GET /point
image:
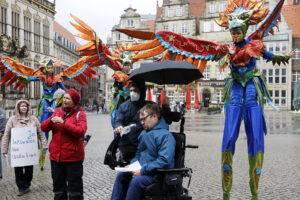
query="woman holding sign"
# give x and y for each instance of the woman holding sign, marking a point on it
(23, 119)
(68, 124)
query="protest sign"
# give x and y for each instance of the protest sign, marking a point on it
(24, 147)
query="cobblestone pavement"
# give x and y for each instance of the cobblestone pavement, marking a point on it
(280, 178)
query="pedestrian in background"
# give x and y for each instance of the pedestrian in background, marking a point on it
(2, 128)
(68, 124)
(22, 119)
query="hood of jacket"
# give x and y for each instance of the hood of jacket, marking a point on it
(17, 112)
(162, 124)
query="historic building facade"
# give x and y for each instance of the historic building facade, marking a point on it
(130, 19)
(25, 23)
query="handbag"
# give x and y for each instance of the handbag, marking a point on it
(110, 156)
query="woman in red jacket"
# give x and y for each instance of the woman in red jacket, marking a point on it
(68, 124)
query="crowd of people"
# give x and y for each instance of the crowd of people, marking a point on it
(140, 124)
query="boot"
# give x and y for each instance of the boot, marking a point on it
(226, 173)
(255, 167)
(254, 125)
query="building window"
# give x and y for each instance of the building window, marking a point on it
(171, 96)
(297, 54)
(276, 75)
(206, 27)
(46, 36)
(276, 93)
(271, 93)
(193, 97)
(184, 28)
(219, 95)
(130, 38)
(270, 80)
(296, 76)
(118, 36)
(182, 96)
(220, 75)
(212, 8)
(37, 35)
(283, 75)
(179, 12)
(222, 7)
(277, 47)
(174, 28)
(130, 22)
(283, 93)
(217, 27)
(165, 28)
(171, 12)
(206, 73)
(271, 47)
(27, 32)
(15, 25)
(3, 20)
(284, 48)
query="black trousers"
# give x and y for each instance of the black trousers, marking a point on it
(23, 177)
(67, 180)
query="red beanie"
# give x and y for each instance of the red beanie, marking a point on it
(74, 95)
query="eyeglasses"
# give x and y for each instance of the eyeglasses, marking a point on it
(144, 118)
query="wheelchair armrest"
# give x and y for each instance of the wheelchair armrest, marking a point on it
(172, 171)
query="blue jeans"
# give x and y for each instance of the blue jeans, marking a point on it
(128, 188)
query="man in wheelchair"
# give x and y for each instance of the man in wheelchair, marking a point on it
(156, 149)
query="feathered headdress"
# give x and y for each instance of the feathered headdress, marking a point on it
(239, 14)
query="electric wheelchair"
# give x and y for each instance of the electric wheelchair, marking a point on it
(168, 183)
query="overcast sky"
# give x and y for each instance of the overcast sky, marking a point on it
(101, 15)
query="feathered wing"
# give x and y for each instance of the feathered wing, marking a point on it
(79, 71)
(98, 52)
(14, 72)
(176, 47)
(269, 23)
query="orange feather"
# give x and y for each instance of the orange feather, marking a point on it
(82, 30)
(84, 25)
(144, 35)
(202, 65)
(153, 52)
(85, 37)
(86, 46)
(145, 46)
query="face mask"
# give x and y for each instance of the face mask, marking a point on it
(134, 96)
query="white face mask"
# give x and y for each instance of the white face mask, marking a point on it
(134, 96)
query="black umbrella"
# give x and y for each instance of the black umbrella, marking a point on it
(166, 72)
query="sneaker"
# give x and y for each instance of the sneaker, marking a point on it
(22, 192)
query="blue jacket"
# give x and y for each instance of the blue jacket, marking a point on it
(156, 148)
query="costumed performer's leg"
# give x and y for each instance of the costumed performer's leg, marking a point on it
(231, 132)
(254, 125)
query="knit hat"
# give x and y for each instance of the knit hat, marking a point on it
(74, 95)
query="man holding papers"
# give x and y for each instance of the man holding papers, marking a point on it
(156, 149)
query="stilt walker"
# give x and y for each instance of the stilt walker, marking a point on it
(244, 90)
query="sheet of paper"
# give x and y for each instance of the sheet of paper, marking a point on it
(132, 167)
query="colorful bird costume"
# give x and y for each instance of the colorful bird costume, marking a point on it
(16, 72)
(101, 55)
(245, 88)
